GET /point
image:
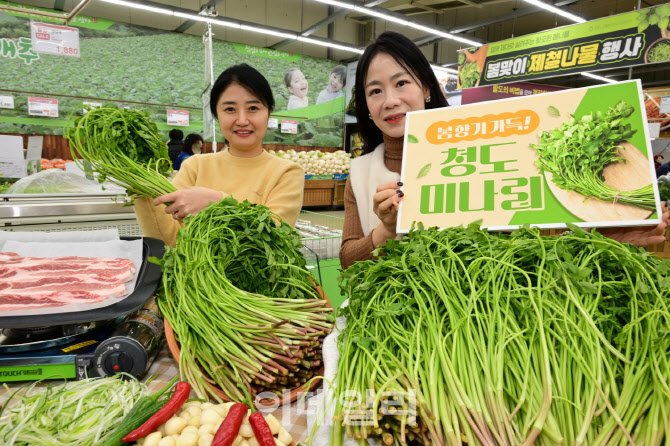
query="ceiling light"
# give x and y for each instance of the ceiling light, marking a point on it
(140, 6)
(331, 45)
(600, 78)
(336, 3)
(448, 70)
(556, 10)
(269, 32)
(211, 20)
(381, 15)
(446, 35)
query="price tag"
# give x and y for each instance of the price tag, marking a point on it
(6, 101)
(665, 104)
(289, 126)
(12, 162)
(55, 39)
(273, 123)
(177, 117)
(43, 107)
(34, 153)
(91, 106)
(654, 129)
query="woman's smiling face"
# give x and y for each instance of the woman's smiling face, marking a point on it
(243, 120)
(391, 92)
(298, 85)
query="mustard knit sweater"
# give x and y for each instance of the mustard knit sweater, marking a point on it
(273, 182)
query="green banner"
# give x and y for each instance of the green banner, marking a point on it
(633, 38)
(575, 156)
(37, 372)
(81, 21)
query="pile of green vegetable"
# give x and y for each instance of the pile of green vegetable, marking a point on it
(123, 147)
(469, 75)
(77, 413)
(577, 152)
(242, 304)
(507, 339)
(659, 52)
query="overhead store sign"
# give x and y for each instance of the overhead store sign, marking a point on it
(57, 40)
(534, 160)
(633, 38)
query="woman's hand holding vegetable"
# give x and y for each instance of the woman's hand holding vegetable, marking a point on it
(640, 235)
(385, 205)
(190, 201)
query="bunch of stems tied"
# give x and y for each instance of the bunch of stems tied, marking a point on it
(577, 152)
(242, 304)
(121, 146)
(461, 336)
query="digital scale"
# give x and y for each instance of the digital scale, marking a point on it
(122, 337)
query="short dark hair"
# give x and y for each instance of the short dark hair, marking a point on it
(410, 57)
(176, 134)
(190, 140)
(341, 71)
(245, 76)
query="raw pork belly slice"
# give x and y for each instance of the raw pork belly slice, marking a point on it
(36, 282)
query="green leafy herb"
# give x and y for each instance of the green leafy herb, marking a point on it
(242, 304)
(664, 187)
(461, 58)
(659, 52)
(469, 75)
(577, 152)
(124, 147)
(553, 111)
(412, 139)
(424, 170)
(515, 339)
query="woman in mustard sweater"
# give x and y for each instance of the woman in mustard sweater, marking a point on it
(242, 101)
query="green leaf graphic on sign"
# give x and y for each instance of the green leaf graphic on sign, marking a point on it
(412, 139)
(424, 170)
(553, 111)
(642, 26)
(663, 24)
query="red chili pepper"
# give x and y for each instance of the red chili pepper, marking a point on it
(228, 430)
(261, 429)
(179, 397)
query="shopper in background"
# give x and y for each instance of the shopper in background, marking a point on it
(241, 100)
(337, 79)
(297, 85)
(175, 145)
(192, 146)
(392, 78)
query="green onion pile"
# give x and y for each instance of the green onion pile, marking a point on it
(123, 147)
(77, 413)
(507, 339)
(577, 152)
(242, 304)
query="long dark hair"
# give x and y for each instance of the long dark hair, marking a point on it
(191, 139)
(408, 56)
(247, 77)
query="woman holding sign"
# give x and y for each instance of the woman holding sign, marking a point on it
(241, 100)
(394, 78)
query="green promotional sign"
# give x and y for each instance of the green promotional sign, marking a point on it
(576, 156)
(36, 372)
(633, 38)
